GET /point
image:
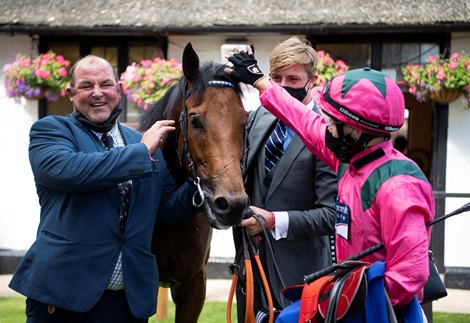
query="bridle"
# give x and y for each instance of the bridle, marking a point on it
(198, 197)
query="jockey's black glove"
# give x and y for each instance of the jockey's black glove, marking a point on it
(245, 68)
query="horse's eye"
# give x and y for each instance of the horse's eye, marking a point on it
(195, 122)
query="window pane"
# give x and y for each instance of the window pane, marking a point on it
(71, 52)
(108, 53)
(139, 51)
(355, 55)
(396, 56)
(428, 49)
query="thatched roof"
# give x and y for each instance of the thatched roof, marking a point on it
(167, 15)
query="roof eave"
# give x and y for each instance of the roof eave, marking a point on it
(227, 29)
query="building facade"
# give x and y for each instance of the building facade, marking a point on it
(383, 35)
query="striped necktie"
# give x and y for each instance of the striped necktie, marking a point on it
(124, 187)
(274, 145)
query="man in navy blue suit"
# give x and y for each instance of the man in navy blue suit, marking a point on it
(101, 186)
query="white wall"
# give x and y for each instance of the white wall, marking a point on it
(19, 208)
(457, 236)
(209, 48)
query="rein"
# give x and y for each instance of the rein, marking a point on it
(250, 253)
(198, 197)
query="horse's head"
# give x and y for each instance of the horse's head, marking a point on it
(209, 139)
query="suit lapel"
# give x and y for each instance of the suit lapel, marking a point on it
(296, 146)
(263, 120)
(266, 121)
(128, 136)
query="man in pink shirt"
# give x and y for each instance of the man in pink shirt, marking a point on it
(382, 195)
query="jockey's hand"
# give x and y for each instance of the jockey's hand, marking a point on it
(252, 226)
(245, 67)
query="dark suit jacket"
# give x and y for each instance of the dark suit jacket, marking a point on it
(303, 186)
(79, 239)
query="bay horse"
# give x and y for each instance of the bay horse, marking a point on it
(206, 149)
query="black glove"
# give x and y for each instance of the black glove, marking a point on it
(245, 68)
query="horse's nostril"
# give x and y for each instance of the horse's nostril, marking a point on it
(221, 203)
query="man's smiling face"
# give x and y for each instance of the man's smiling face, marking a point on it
(96, 92)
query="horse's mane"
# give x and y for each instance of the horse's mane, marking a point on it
(171, 100)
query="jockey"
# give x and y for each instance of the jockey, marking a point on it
(382, 195)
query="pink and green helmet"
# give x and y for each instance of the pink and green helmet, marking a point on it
(365, 99)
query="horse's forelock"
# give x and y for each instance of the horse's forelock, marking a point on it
(163, 108)
(210, 71)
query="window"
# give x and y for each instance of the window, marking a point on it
(396, 56)
(356, 55)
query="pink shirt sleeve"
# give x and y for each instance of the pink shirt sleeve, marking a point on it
(306, 123)
(406, 205)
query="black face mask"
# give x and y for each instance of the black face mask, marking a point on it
(299, 94)
(102, 127)
(345, 147)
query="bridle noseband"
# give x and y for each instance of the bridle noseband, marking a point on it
(183, 127)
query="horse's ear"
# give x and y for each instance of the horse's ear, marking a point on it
(190, 63)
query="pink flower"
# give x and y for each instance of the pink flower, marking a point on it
(455, 56)
(165, 80)
(146, 63)
(62, 72)
(60, 59)
(431, 59)
(441, 75)
(43, 74)
(327, 60)
(341, 64)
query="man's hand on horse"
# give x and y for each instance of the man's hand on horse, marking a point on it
(245, 67)
(253, 226)
(153, 137)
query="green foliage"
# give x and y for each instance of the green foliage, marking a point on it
(12, 311)
(213, 312)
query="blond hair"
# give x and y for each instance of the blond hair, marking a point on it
(291, 52)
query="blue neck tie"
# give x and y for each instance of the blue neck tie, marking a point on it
(107, 141)
(274, 145)
(124, 187)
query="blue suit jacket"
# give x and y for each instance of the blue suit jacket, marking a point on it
(79, 239)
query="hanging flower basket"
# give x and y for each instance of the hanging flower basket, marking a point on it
(45, 76)
(442, 80)
(445, 96)
(145, 83)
